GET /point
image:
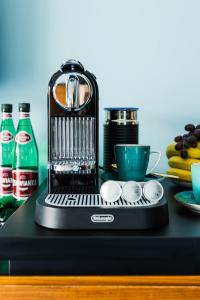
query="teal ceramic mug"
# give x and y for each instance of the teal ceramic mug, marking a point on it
(132, 161)
(195, 168)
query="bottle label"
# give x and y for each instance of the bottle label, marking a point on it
(6, 115)
(23, 137)
(6, 136)
(24, 183)
(24, 115)
(5, 181)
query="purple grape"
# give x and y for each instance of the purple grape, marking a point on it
(178, 139)
(189, 127)
(186, 145)
(190, 133)
(193, 145)
(185, 136)
(184, 153)
(197, 133)
(179, 146)
(191, 139)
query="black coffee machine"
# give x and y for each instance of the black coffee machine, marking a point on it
(72, 200)
(73, 129)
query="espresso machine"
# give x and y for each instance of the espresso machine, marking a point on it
(72, 200)
(73, 117)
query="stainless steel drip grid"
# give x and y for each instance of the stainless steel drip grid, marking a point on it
(90, 200)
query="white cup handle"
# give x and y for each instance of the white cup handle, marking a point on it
(156, 163)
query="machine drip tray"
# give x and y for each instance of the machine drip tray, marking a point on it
(90, 211)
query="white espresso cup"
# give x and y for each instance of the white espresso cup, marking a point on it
(131, 191)
(110, 191)
(153, 191)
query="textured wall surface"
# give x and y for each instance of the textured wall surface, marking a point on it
(145, 53)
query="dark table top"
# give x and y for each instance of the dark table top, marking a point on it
(173, 249)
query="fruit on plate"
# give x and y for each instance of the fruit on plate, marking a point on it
(184, 152)
(178, 162)
(189, 140)
(192, 152)
(183, 175)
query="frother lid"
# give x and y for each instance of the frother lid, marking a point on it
(121, 115)
(121, 108)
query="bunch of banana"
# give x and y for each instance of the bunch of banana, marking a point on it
(179, 166)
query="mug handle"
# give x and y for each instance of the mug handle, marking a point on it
(156, 163)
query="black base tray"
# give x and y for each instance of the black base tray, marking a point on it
(112, 218)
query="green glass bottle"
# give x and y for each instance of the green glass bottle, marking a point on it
(7, 135)
(25, 157)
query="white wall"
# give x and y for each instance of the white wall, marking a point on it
(145, 53)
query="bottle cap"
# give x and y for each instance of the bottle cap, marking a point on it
(6, 108)
(24, 107)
